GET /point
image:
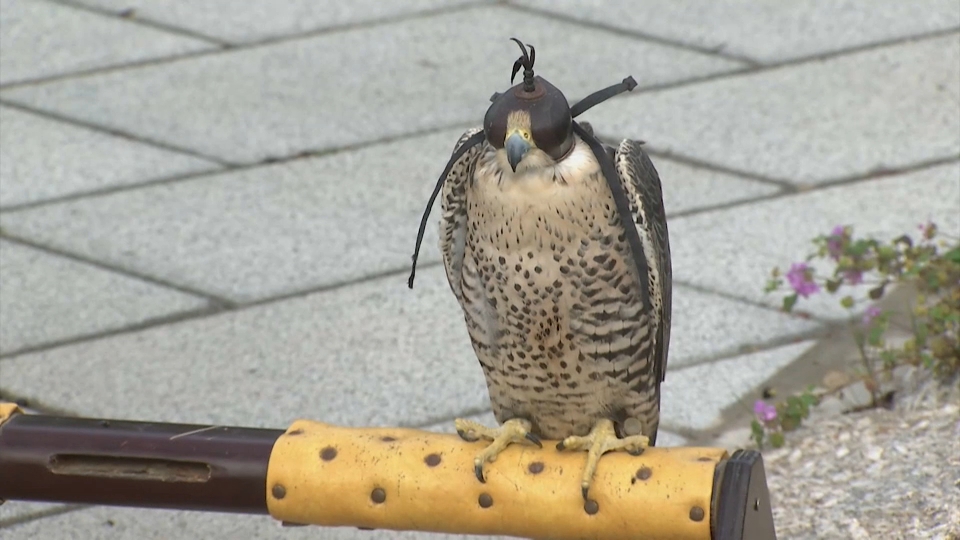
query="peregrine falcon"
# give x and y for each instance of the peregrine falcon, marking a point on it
(566, 299)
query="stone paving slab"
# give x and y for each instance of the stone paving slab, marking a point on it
(883, 108)
(370, 354)
(693, 398)
(264, 19)
(767, 31)
(20, 511)
(344, 88)
(288, 227)
(44, 39)
(115, 523)
(264, 231)
(734, 250)
(42, 158)
(687, 188)
(707, 326)
(47, 299)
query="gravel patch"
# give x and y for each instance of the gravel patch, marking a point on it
(879, 473)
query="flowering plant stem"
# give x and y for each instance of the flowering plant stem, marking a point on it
(930, 264)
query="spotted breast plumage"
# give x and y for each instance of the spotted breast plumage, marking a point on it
(571, 331)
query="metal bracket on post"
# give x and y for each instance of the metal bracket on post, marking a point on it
(741, 500)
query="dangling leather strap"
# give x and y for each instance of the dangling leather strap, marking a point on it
(474, 140)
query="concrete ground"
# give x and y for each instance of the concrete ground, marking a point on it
(207, 209)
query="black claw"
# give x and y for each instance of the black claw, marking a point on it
(463, 435)
(478, 469)
(585, 491)
(560, 446)
(636, 452)
(534, 439)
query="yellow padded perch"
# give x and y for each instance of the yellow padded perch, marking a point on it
(403, 479)
(7, 410)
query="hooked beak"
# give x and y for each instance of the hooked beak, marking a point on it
(516, 148)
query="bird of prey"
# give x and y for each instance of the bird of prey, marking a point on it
(569, 318)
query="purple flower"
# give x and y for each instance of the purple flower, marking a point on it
(800, 278)
(765, 412)
(835, 242)
(853, 277)
(870, 314)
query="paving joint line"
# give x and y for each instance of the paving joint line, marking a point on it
(210, 311)
(880, 172)
(653, 38)
(336, 285)
(105, 70)
(800, 189)
(431, 264)
(117, 188)
(464, 7)
(692, 81)
(241, 46)
(360, 25)
(819, 332)
(34, 405)
(51, 115)
(719, 168)
(797, 314)
(229, 168)
(786, 64)
(133, 19)
(213, 300)
(147, 324)
(787, 188)
(728, 205)
(58, 510)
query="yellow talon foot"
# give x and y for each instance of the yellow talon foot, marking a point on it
(515, 430)
(602, 439)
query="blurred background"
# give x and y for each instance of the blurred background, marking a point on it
(208, 207)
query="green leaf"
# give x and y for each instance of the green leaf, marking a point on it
(789, 302)
(953, 255)
(921, 332)
(757, 433)
(847, 302)
(875, 336)
(877, 292)
(889, 358)
(833, 284)
(886, 252)
(933, 281)
(776, 439)
(796, 408)
(860, 248)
